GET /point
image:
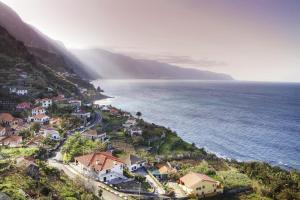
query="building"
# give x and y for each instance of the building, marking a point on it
(82, 114)
(101, 166)
(23, 106)
(18, 91)
(200, 185)
(11, 141)
(38, 110)
(6, 119)
(46, 103)
(129, 123)
(135, 131)
(163, 170)
(94, 135)
(75, 103)
(52, 134)
(133, 162)
(40, 118)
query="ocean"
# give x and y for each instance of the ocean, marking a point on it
(240, 120)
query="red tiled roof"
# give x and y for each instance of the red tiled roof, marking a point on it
(6, 117)
(99, 160)
(193, 178)
(38, 108)
(40, 116)
(12, 138)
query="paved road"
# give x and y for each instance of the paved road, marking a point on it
(94, 185)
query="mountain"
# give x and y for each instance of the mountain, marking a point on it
(118, 66)
(19, 68)
(46, 50)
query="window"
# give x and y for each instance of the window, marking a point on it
(203, 186)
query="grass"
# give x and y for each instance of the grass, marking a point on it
(233, 179)
(16, 152)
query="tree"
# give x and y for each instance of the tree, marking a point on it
(35, 127)
(138, 114)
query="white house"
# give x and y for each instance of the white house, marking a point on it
(133, 162)
(82, 115)
(40, 118)
(129, 123)
(94, 135)
(76, 103)
(38, 110)
(100, 165)
(52, 134)
(46, 103)
(135, 131)
(18, 91)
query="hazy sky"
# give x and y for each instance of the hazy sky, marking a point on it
(251, 40)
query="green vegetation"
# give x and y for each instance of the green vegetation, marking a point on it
(16, 152)
(233, 179)
(78, 145)
(52, 184)
(273, 182)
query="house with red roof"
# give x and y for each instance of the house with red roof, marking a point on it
(6, 119)
(200, 185)
(40, 118)
(11, 141)
(38, 110)
(102, 166)
(23, 106)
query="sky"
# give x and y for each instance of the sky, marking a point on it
(255, 40)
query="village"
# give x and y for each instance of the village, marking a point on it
(113, 152)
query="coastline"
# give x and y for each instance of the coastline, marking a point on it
(106, 101)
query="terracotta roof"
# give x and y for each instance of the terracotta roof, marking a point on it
(39, 108)
(193, 178)
(24, 104)
(99, 160)
(12, 138)
(40, 116)
(6, 117)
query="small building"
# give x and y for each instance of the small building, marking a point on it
(163, 170)
(133, 162)
(38, 110)
(129, 123)
(6, 119)
(46, 102)
(23, 106)
(82, 114)
(11, 141)
(59, 98)
(94, 135)
(75, 103)
(40, 118)
(102, 166)
(135, 131)
(36, 141)
(52, 134)
(200, 185)
(18, 91)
